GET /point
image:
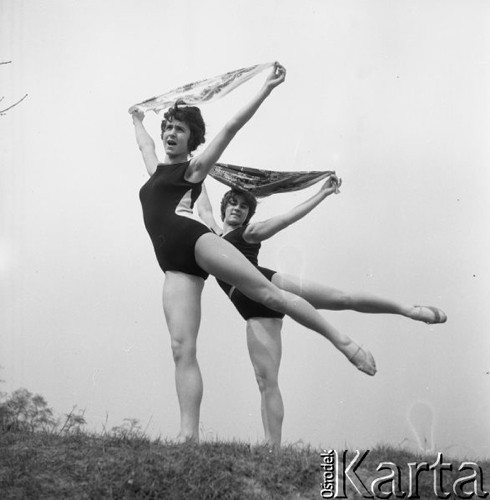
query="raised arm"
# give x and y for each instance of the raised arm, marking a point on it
(259, 231)
(205, 211)
(145, 142)
(202, 164)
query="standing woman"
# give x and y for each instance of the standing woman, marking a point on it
(187, 251)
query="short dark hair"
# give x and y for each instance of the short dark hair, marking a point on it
(190, 115)
(250, 200)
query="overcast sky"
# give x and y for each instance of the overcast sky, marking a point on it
(392, 95)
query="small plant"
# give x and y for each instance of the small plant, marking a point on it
(24, 411)
(130, 429)
(73, 422)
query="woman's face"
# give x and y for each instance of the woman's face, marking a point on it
(176, 138)
(236, 211)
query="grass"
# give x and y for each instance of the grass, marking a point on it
(46, 465)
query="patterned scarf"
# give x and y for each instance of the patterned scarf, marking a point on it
(202, 91)
(259, 182)
(263, 183)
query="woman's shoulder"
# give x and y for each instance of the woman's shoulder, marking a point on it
(247, 235)
(193, 172)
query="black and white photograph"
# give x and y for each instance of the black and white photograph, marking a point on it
(244, 249)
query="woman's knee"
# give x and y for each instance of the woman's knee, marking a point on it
(266, 377)
(344, 300)
(183, 349)
(273, 298)
(266, 382)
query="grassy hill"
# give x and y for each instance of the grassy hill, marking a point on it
(46, 465)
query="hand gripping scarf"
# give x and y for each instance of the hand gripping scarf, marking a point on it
(259, 182)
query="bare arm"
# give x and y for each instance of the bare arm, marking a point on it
(145, 142)
(205, 211)
(201, 165)
(259, 231)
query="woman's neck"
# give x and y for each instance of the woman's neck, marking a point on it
(175, 158)
(227, 228)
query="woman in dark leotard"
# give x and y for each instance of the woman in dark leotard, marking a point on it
(263, 324)
(187, 251)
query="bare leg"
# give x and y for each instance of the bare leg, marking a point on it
(182, 307)
(264, 347)
(325, 297)
(225, 262)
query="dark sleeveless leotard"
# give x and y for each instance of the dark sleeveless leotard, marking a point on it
(167, 200)
(248, 308)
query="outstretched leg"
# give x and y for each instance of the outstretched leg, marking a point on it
(325, 297)
(264, 347)
(225, 262)
(182, 308)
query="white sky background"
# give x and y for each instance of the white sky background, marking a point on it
(392, 95)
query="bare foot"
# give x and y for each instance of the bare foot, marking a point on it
(428, 314)
(186, 439)
(361, 358)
